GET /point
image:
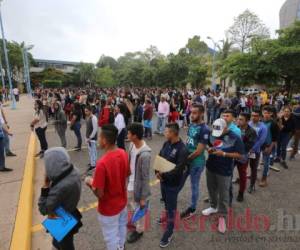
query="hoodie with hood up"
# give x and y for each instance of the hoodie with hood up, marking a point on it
(60, 120)
(65, 183)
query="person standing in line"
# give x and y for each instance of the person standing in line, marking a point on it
(226, 147)
(270, 143)
(296, 118)
(198, 135)
(6, 139)
(109, 186)
(39, 124)
(91, 136)
(60, 123)
(62, 188)
(249, 139)
(3, 129)
(286, 127)
(148, 114)
(138, 186)
(76, 124)
(175, 151)
(210, 107)
(255, 151)
(162, 113)
(16, 93)
(120, 124)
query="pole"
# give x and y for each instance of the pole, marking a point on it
(13, 106)
(28, 73)
(2, 76)
(213, 84)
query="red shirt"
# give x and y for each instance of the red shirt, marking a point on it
(104, 117)
(111, 174)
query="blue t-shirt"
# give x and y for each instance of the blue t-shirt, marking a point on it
(197, 133)
(235, 129)
(229, 143)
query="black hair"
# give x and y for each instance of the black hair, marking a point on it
(256, 110)
(110, 132)
(89, 108)
(229, 111)
(268, 108)
(246, 115)
(198, 106)
(136, 129)
(39, 104)
(174, 127)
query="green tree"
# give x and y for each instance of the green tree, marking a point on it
(104, 77)
(196, 47)
(107, 61)
(245, 27)
(86, 72)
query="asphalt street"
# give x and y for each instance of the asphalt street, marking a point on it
(277, 206)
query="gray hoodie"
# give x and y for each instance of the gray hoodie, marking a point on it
(60, 121)
(142, 174)
(65, 183)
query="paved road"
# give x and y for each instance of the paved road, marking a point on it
(281, 196)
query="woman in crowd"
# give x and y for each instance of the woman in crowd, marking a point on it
(60, 123)
(76, 125)
(39, 124)
(120, 124)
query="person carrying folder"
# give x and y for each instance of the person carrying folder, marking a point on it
(138, 189)
(173, 150)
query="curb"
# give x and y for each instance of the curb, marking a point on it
(21, 237)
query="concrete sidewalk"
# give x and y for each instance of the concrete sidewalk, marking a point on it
(10, 183)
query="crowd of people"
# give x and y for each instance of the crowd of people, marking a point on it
(223, 132)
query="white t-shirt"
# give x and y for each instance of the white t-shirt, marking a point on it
(133, 153)
(15, 91)
(119, 122)
(42, 123)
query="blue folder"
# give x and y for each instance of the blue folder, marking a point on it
(60, 226)
(139, 213)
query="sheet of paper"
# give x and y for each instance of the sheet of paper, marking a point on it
(162, 165)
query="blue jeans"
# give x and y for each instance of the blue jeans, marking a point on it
(282, 144)
(6, 142)
(161, 124)
(195, 175)
(92, 148)
(2, 156)
(266, 160)
(77, 127)
(210, 116)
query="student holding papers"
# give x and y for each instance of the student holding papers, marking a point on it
(138, 188)
(60, 195)
(174, 151)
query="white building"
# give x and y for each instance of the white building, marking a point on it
(64, 66)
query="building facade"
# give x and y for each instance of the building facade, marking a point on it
(289, 13)
(64, 66)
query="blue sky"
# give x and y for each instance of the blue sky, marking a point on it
(83, 30)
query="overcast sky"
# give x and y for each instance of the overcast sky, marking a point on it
(83, 30)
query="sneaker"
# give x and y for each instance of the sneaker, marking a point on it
(274, 168)
(240, 197)
(77, 149)
(187, 213)
(263, 182)
(134, 237)
(166, 240)
(222, 225)
(209, 211)
(284, 165)
(9, 153)
(251, 189)
(6, 170)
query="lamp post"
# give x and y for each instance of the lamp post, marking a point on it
(2, 76)
(213, 77)
(13, 106)
(27, 69)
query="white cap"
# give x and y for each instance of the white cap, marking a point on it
(218, 127)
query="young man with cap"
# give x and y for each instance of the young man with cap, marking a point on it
(226, 146)
(198, 135)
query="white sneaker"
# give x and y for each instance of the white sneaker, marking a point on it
(209, 211)
(222, 225)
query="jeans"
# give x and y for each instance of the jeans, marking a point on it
(62, 137)
(253, 166)
(195, 175)
(210, 116)
(2, 156)
(6, 142)
(77, 127)
(121, 139)
(170, 195)
(218, 189)
(114, 229)
(161, 124)
(217, 113)
(282, 144)
(242, 169)
(92, 148)
(266, 160)
(41, 134)
(66, 244)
